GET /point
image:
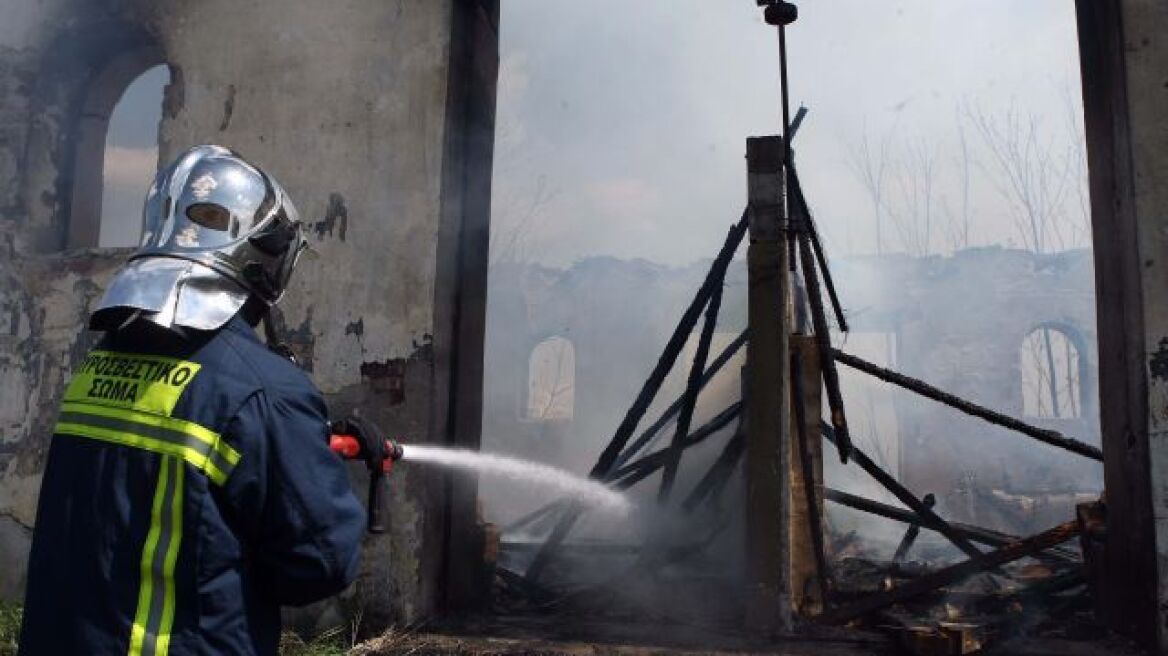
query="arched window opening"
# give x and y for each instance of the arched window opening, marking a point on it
(116, 151)
(1052, 374)
(551, 382)
(131, 158)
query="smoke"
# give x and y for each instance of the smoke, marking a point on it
(621, 133)
(660, 96)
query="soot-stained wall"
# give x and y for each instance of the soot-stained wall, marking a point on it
(378, 119)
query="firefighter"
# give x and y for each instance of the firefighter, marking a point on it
(189, 490)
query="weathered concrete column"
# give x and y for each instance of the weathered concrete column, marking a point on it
(767, 392)
(1124, 57)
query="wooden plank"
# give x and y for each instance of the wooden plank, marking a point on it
(810, 572)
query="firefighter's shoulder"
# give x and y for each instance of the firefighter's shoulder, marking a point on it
(266, 367)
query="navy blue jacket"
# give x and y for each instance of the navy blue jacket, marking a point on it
(189, 493)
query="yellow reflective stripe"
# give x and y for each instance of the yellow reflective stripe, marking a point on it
(197, 459)
(146, 567)
(170, 423)
(167, 621)
(197, 431)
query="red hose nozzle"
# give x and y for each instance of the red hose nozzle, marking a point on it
(349, 448)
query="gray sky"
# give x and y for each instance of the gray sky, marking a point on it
(622, 125)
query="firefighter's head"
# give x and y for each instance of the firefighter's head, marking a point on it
(217, 231)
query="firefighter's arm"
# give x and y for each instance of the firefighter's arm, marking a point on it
(303, 522)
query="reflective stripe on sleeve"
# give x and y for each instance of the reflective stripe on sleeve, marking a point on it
(154, 617)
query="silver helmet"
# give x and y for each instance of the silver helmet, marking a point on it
(217, 230)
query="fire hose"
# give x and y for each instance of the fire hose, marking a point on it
(354, 439)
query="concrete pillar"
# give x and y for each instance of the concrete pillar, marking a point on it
(1124, 57)
(378, 117)
(768, 407)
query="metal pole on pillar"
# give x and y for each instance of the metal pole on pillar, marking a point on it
(768, 390)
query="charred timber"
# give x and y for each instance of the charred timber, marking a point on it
(953, 574)
(714, 481)
(1051, 437)
(634, 472)
(690, 397)
(636, 411)
(835, 399)
(932, 519)
(642, 467)
(803, 208)
(649, 433)
(910, 536)
(975, 533)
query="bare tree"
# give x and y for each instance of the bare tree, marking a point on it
(1034, 171)
(902, 183)
(913, 204)
(515, 222)
(870, 169)
(958, 224)
(519, 201)
(552, 380)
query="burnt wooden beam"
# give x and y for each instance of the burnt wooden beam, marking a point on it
(827, 367)
(984, 536)
(639, 469)
(1051, 437)
(906, 497)
(608, 457)
(690, 397)
(910, 535)
(714, 481)
(712, 370)
(829, 284)
(953, 574)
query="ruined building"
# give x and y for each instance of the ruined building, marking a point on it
(378, 118)
(964, 323)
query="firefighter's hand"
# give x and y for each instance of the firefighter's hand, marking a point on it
(368, 435)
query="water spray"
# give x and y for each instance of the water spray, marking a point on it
(587, 491)
(380, 459)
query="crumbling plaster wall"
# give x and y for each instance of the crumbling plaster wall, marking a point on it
(378, 119)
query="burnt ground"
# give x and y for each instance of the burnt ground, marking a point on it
(499, 636)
